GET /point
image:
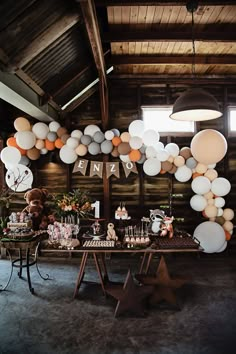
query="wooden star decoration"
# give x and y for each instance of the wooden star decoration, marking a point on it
(164, 285)
(130, 296)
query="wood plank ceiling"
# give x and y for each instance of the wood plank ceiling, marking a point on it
(59, 47)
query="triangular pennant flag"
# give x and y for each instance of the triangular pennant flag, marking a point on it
(80, 166)
(112, 168)
(129, 167)
(96, 168)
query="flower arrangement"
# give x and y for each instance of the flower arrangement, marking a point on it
(73, 204)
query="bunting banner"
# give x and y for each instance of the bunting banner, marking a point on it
(112, 168)
(129, 167)
(97, 167)
(80, 166)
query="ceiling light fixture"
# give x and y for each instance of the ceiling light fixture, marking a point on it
(195, 104)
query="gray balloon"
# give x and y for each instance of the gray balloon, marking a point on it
(94, 148)
(98, 137)
(85, 139)
(52, 136)
(106, 147)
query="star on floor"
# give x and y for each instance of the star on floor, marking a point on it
(164, 285)
(130, 296)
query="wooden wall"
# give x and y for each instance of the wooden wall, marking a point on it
(140, 192)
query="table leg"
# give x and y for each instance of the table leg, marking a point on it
(28, 270)
(104, 268)
(143, 262)
(81, 273)
(21, 262)
(99, 272)
(148, 262)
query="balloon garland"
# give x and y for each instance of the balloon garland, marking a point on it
(141, 146)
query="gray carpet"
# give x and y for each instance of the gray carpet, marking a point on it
(51, 321)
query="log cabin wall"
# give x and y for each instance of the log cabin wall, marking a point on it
(139, 192)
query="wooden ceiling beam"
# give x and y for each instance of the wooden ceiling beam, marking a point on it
(155, 80)
(91, 22)
(101, 3)
(179, 59)
(81, 99)
(161, 36)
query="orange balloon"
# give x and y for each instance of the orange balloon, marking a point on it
(22, 151)
(162, 172)
(58, 143)
(11, 141)
(116, 141)
(227, 235)
(196, 174)
(49, 145)
(135, 155)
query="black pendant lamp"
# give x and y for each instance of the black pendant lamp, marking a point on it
(195, 104)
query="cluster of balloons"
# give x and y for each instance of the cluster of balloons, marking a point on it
(138, 145)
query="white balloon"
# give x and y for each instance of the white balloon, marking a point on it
(219, 202)
(183, 174)
(150, 152)
(152, 166)
(210, 235)
(91, 130)
(26, 140)
(76, 134)
(19, 178)
(201, 185)
(198, 202)
(158, 146)
(10, 155)
(43, 151)
(109, 135)
(220, 212)
(135, 142)
(124, 158)
(150, 137)
(162, 155)
(136, 128)
(54, 126)
(220, 186)
(72, 142)
(173, 149)
(67, 154)
(223, 247)
(40, 130)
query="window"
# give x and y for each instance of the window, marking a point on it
(158, 118)
(232, 119)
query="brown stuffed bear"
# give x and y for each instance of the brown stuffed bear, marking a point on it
(36, 199)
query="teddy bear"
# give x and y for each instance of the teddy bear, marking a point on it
(36, 208)
(111, 233)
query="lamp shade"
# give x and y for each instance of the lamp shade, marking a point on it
(195, 105)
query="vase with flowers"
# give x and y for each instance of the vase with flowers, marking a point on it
(72, 206)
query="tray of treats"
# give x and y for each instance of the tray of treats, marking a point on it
(178, 241)
(95, 244)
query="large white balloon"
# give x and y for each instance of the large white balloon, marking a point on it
(150, 137)
(183, 174)
(25, 140)
(220, 186)
(76, 134)
(91, 130)
(54, 126)
(173, 149)
(152, 166)
(223, 247)
(162, 155)
(40, 130)
(210, 235)
(201, 185)
(198, 202)
(67, 154)
(19, 178)
(72, 142)
(10, 155)
(150, 152)
(136, 128)
(135, 142)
